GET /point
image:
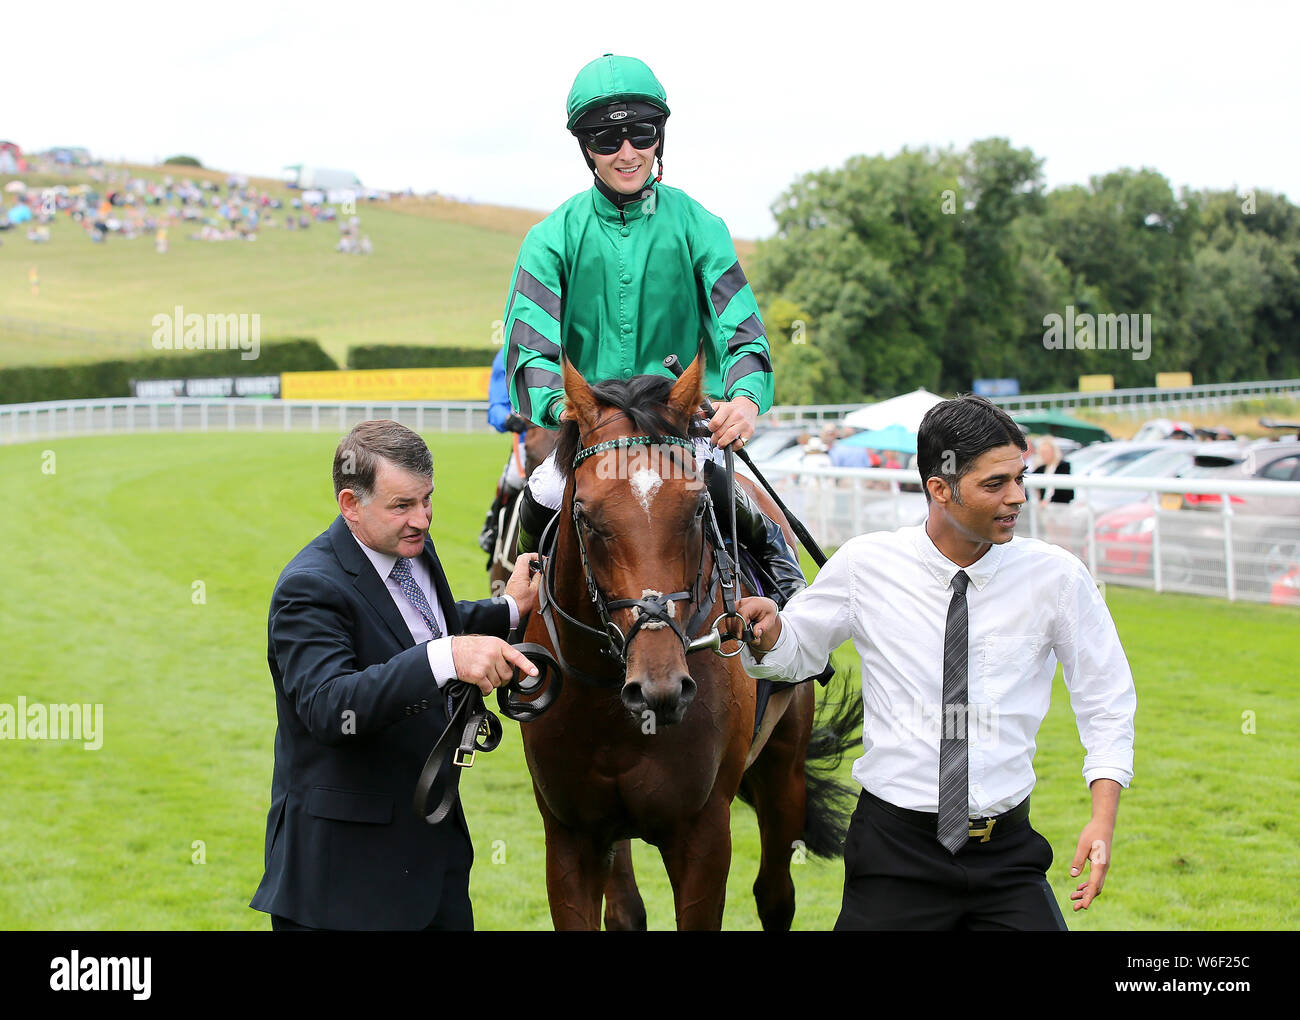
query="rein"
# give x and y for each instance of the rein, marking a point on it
(480, 729)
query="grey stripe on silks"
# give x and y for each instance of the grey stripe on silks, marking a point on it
(954, 755)
(727, 286)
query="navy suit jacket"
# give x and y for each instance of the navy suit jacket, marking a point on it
(358, 713)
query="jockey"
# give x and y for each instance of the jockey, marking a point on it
(502, 418)
(625, 274)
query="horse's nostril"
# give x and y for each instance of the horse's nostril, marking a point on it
(633, 698)
(688, 690)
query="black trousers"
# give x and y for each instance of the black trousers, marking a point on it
(898, 876)
(455, 913)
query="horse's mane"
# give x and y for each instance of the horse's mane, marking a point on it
(643, 398)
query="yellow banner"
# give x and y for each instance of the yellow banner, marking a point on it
(1173, 380)
(1096, 383)
(387, 384)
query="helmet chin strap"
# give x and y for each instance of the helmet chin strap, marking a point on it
(617, 197)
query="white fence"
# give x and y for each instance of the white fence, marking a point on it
(63, 418)
(53, 419)
(1150, 402)
(1229, 551)
(1225, 547)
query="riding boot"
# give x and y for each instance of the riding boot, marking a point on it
(487, 539)
(533, 519)
(763, 537)
(760, 535)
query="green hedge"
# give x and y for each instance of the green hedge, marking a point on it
(404, 356)
(89, 381)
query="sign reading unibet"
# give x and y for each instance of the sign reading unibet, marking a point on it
(225, 386)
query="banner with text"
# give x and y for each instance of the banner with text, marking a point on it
(387, 384)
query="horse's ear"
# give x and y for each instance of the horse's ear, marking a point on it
(580, 401)
(688, 391)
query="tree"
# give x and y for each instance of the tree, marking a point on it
(869, 253)
(802, 369)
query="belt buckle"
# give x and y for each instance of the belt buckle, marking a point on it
(985, 833)
(463, 758)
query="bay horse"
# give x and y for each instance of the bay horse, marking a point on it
(642, 743)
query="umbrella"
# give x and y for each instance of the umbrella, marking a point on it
(14, 187)
(893, 437)
(906, 410)
(1057, 423)
(19, 214)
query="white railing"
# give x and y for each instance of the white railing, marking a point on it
(1154, 401)
(52, 419)
(64, 418)
(796, 414)
(1150, 401)
(1232, 551)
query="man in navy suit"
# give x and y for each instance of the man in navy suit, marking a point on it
(367, 650)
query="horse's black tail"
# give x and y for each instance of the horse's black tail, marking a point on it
(830, 801)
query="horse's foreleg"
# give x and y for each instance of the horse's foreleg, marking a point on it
(577, 867)
(624, 908)
(776, 780)
(697, 857)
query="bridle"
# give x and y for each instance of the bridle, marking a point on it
(653, 610)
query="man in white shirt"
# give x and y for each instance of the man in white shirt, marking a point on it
(959, 629)
(367, 648)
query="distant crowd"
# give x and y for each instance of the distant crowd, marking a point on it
(119, 205)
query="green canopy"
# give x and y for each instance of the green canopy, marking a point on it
(1057, 423)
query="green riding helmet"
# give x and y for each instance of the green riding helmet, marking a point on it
(611, 80)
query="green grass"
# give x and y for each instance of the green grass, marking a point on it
(96, 591)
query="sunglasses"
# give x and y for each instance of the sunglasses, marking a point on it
(607, 141)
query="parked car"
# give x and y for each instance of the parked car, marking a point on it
(1168, 460)
(1101, 459)
(1165, 428)
(766, 443)
(1265, 529)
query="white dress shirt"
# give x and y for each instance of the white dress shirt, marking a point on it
(1030, 604)
(439, 651)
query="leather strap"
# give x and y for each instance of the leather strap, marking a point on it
(472, 728)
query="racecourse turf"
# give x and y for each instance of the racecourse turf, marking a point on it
(137, 575)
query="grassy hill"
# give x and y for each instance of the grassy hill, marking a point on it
(438, 275)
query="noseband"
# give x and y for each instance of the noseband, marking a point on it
(653, 610)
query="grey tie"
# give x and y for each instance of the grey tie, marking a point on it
(954, 762)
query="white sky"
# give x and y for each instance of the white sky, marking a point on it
(469, 99)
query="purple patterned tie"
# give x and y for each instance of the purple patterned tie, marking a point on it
(401, 573)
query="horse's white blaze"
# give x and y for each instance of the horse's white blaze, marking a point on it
(645, 483)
